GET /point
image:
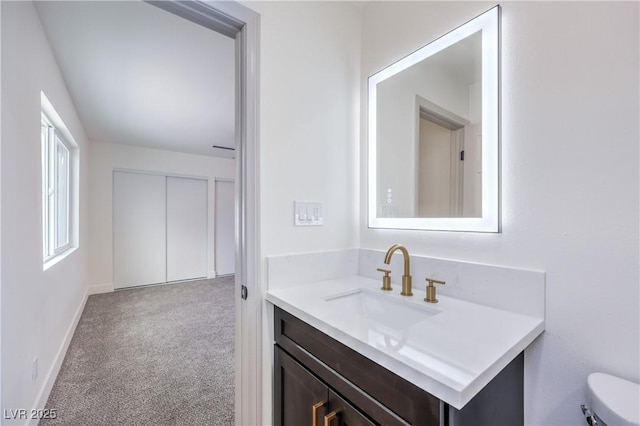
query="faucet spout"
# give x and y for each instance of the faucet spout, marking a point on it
(406, 278)
(405, 254)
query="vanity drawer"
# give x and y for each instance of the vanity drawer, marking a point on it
(398, 401)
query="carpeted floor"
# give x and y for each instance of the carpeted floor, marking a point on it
(160, 355)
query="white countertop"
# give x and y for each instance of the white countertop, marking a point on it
(452, 353)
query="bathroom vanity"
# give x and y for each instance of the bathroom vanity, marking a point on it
(352, 347)
(346, 352)
(317, 378)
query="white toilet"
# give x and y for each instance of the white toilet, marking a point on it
(612, 401)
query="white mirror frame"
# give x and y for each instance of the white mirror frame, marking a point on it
(489, 23)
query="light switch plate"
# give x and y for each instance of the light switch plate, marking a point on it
(307, 213)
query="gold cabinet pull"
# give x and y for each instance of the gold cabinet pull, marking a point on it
(329, 418)
(314, 412)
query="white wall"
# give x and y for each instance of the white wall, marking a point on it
(570, 187)
(309, 110)
(105, 157)
(1, 405)
(39, 308)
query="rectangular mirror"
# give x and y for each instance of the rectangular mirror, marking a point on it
(433, 141)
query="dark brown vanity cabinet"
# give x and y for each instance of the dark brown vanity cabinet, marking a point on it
(306, 400)
(319, 381)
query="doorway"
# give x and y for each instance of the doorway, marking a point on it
(242, 24)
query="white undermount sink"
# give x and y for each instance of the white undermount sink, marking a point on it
(383, 308)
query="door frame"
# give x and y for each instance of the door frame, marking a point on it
(243, 25)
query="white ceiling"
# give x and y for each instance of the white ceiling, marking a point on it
(139, 75)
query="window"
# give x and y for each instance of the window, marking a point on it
(58, 149)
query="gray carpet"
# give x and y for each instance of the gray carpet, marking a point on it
(160, 355)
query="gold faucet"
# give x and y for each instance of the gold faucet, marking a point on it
(406, 278)
(431, 290)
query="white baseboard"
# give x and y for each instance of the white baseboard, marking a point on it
(43, 396)
(211, 274)
(100, 288)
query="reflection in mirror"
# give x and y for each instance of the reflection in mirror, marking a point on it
(433, 134)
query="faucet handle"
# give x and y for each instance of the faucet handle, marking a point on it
(431, 290)
(386, 280)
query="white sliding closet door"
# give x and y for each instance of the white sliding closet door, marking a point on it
(186, 228)
(139, 229)
(225, 228)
